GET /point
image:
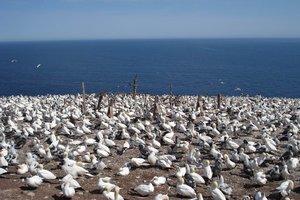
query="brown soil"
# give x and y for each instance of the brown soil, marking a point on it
(12, 187)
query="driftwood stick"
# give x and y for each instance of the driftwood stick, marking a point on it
(134, 86)
(219, 101)
(198, 103)
(99, 101)
(156, 108)
(171, 89)
(83, 97)
(110, 111)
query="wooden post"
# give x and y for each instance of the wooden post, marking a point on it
(177, 101)
(171, 89)
(156, 108)
(83, 97)
(99, 101)
(198, 103)
(171, 101)
(110, 111)
(219, 101)
(146, 101)
(134, 86)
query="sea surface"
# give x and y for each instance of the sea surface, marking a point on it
(267, 67)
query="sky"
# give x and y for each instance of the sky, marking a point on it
(23, 20)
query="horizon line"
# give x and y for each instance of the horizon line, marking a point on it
(146, 38)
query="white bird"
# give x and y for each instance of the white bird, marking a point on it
(214, 130)
(260, 178)
(34, 181)
(197, 177)
(137, 162)
(22, 169)
(161, 197)
(224, 187)
(168, 140)
(207, 172)
(164, 162)
(235, 156)
(89, 141)
(113, 195)
(38, 65)
(158, 180)
(79, 132)
(250, 148)
(3, 161)
(292, 163)
(68, 190)
(70, 125)
(181, 171)
(2, 171)
(86, 129)
(156, 144)
(285, 172)
(33, 167)
(109, 142)
(125, 134)
(286, 187)
(126, 145)
(104, 184)
(215, 153)
(117, 195)
(184, 190)
(260, 196)
(144, 190)
(270, 144)
(243, 156)
(216, 192)
(73, 183)
(45, 174)
(75, 170)
(152, 159)
(199, 196)
(124, 170)
(229, 164)
(231, 144)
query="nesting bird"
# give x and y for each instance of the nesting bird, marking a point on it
(184, 190)
(34, 181)
(144, 190)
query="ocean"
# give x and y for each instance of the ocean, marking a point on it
(267, 67)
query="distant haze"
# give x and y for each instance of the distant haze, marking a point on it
(122, 19)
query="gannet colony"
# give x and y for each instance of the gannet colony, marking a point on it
(147, 147)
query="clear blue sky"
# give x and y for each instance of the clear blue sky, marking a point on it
(109, 19)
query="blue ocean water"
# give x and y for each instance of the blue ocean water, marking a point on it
(268, 67)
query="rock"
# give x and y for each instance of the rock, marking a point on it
(31, 194)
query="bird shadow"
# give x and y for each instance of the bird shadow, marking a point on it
(4, 177)
(97, 191)
(251, 185)
(297, 190)
(58, 187)
(50, 181)
(143, 167)
(133, 193)
(242, 175)
(27, 188)
(275, 195)
(56, 197)
(181, 197)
